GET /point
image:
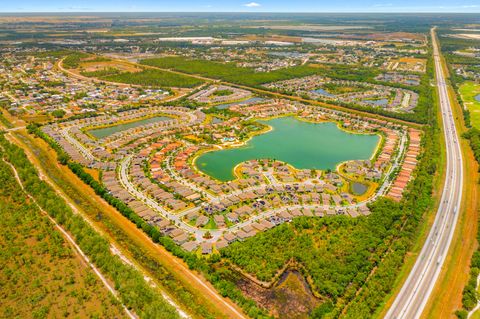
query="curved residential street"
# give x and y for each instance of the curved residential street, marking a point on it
(417, 289)
(176, 218)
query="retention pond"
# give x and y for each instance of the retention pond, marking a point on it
(107, 131)
(303, 145)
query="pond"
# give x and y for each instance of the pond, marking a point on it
(323, 92)
(216, 120)
(301, 144)
(107, 131)
(251, 100)
(359, 188)
(380, 102)
(412, 82)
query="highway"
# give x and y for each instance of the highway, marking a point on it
(417, 289)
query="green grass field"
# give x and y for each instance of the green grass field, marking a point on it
(468, 91)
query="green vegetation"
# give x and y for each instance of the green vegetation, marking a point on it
(50, 54)
(470, 294)
(154, 78)
(225, 92)
(341, 89)
(41, 277)
(228, 71)
(247, 76)
(72, 61)
(391, 228)
(134, 292)
(227, 113)
(184, 293)
(468, 92)
(220, 278)
(338, 253)
(58, 113)
(4, 121)
(101, 73)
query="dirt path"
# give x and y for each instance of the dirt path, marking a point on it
(76, 249)
(179, 92)
(175, 265)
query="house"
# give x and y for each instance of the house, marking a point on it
(241, 235)
(285, 215)
(202, 220)
(219, 220)
(206, 248)
(181, 239)
(221, 244)
(232, 217)
(190, 246)
(229, 237)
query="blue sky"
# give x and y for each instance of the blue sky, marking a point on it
(239, 6)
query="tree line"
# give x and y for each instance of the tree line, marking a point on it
(133, 290)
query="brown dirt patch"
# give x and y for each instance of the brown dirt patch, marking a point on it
(291, 297)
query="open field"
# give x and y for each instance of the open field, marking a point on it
(469, 36)
(468, 92)
(124, 72)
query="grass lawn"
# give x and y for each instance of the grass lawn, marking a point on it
(475, 315)
(469, 91)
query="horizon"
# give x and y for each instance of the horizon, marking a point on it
(243, 6)
(237, 12)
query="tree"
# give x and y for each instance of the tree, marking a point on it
(58, 113)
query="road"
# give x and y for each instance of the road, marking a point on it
(418, 287)
(79, 146)
(285, 96)
(177, 218)
(196, 281)
(74, 245)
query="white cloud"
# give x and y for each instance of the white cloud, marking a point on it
(252, 5)
(471, 6)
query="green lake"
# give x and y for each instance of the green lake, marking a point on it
(106, 131)
(301, 144)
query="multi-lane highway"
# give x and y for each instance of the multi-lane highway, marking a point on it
(417, 289)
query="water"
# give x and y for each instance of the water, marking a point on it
(301, 144)
(323, 92)
(359, 188)
(477, 97)
(381, 102)
(251, 100)
(412, 82)
(216, 120)
(289, 54)
(107, 131)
